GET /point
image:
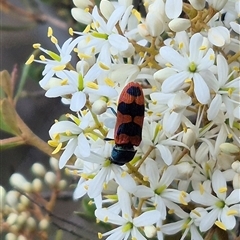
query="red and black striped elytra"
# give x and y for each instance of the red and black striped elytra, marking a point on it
(128, 128)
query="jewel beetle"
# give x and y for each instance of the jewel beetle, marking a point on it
(128, 128)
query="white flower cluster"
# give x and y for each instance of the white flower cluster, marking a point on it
(186, 56)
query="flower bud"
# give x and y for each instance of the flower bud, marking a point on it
(18, 181)
(54, 164)
(21, 219)
(150, 231)
(219, 36)
(236, 181)
(37, 185)
(2, 198)
(143, 31)
(189, 137)
(21, 237)
(50, 179)
(99, 106)
(106, 8)
(31, 223)
(81, 16)
(82, 3)
(198, 4)
(43, 224)
(218, 5)
(229, 148)
(10, 236)
(154, 24)
(62, 184)
(24, 200)
(236, 166)
(38, 169)
(185, 170)
(12, 218)
(179, 24)
(12, 198)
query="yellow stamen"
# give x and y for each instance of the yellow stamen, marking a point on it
(92, 85)
(137, 14)
(54, 40)
(168, 65)
(49, 32)
(197, 213)
(59, 68)
(57, 149)
(171, 211)
(109, 82)
(100, 235)
(180, 45)
(123, 174)
(220, 225)
(105, 219)
(188, 80)
(36, 45)
(203, 47)
(222, 190)
(232, 212)
(70, 31)
(103, 66)
(201, 189)
(42, 58)
(86, 10)
(182, 198)
(87, 28)
(145, 178)
(30, 60)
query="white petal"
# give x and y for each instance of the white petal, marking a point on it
(165, 154)
(96, 185)
(60, 91)
(214, 107)
(118, 41)
(219, 182)
(123, 179)
(80, 189)
(173, 8)
(173, 57)
(201, 89)
(147, 218)
(78, 101)
(236, 112)
(143, 192)
(174, 82)
(83, 146)
(194, 46)
(204, 199)
(207, 61)
(136, 234)
(168, 176)
(125, 203)
(103, 214)
(222, 68)
(68, 152)
(153, 173)
(235, 26)
(208, 220)
(171, 228)
(234, 197)
(228, 220)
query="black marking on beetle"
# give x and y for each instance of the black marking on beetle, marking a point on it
(134, 91)
(133, 109)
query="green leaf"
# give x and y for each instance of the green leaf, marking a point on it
(8, 118)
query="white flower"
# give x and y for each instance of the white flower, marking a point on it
(161, 195)
(188, 223)
(190, 67)
(73, 87)
(175, 105)
(58, 61)
(222, 208)
(71, 134)
(226, 91)
(127, 222)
